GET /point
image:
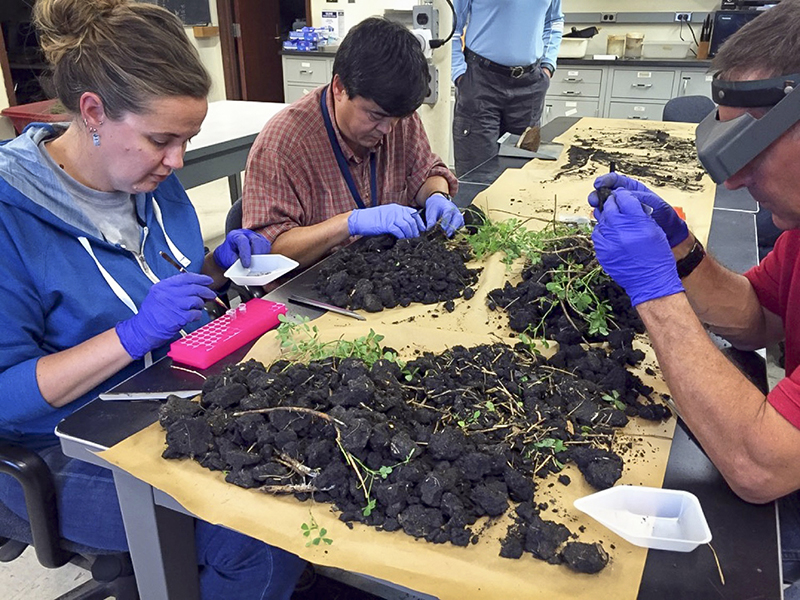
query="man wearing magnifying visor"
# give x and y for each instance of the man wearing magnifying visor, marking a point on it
(751, 141)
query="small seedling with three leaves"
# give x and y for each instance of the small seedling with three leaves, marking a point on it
(315, 533)
(613, 400)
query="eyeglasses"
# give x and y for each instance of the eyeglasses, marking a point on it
(726, 147)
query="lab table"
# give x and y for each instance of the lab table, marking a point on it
(746, 536)
(221, 148)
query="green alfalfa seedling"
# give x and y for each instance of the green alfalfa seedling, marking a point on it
(300, 342)
(555, 445)
(613, 399)
(316, 535)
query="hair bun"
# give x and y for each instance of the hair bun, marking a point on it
(63, 25)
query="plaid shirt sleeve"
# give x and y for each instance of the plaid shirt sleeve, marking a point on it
(421, 161)
(274, 188)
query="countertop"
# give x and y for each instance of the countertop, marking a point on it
(562, 62)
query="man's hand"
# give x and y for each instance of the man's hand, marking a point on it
(439, 209)
(400, 221)
(663, 213)
(240, 244)
(634, 250)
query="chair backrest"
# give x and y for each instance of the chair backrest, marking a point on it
(234, 218)
(688, 109)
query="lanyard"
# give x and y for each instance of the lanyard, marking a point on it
(342, 161)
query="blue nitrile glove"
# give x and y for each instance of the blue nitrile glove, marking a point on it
(439, 209)
(663, 213)
(240, 243)
(400, 221)
(634, 250)
(169, 305)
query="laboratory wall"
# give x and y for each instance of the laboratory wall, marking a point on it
(210, 50)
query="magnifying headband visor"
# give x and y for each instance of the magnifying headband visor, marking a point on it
(726, 147)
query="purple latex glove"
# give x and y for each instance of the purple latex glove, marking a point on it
(663, 213)
(634, 250)
(240, 243)
(169, 305)
(439, 209)
(400, 221)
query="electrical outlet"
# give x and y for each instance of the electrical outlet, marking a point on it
(426, 17)
(433, 86)
(683, 17)
(608, 17)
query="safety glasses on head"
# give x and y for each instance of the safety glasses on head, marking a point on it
(725, 147)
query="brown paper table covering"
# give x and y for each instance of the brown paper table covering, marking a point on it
(444, 571)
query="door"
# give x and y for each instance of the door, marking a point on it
(251, 43)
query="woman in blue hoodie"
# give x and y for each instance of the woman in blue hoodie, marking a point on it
(86, 299)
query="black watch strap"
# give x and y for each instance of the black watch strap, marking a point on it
(689, 262)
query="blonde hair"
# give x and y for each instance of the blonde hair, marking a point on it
(128, 53)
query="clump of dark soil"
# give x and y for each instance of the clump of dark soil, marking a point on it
(429, 447)
(384, 272)
(560, 297)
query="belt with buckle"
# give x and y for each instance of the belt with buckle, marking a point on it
(513, 72)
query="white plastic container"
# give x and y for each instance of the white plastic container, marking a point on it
(650, 517)
(263, 269)
(665, 49)
(573, 47)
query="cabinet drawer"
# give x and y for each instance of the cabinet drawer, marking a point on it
(295, 92)
(557, 107)
(635, 110)
(577, 76)
(578, 89)
(694, 83)
(306, 70)
(642, 84)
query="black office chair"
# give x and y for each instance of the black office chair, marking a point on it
(112, 572)
(688, 109)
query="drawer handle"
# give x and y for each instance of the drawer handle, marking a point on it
(642, 86)
(573, 79)
(636, 118)
(306, 72)
(572, 92)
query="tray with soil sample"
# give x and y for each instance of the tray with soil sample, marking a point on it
(434, 446)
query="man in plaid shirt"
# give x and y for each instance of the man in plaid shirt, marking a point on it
(352, 157)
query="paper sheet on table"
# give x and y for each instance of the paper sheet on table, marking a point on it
(444, 571)
(536, 190)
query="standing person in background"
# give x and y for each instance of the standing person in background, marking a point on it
(501, 68)
(86, 212)
(351, 158)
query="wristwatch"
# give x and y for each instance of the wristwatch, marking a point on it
(689, 262)
(445, 194)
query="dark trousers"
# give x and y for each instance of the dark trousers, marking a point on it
(489, 104)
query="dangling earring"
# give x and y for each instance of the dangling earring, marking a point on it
(95, 136)
(93, 131)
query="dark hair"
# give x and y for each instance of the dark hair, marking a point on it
(382, 61)
(128, 53)
(769, 44)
